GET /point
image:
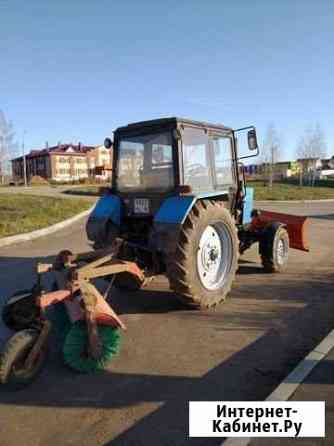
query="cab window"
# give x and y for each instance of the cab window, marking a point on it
(196, 160)
(145, 162)
(222, 161)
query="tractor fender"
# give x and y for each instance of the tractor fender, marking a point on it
(107, 209)
(266, 236)
(169, 219)
(167, 223)
(174, 210)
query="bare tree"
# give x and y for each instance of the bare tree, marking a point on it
(312, 146)
(271, 152)
(8, 145)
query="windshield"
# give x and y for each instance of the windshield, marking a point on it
(145, 162)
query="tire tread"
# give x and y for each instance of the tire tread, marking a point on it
(177, 271)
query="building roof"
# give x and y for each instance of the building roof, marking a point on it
(60, 149)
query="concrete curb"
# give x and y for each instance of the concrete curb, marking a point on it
(289, 385)
(6, 241)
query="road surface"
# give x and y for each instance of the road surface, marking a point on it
(239, 350)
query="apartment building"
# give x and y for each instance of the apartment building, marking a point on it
(65, 162)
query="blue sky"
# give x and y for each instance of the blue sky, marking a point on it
(75, 70)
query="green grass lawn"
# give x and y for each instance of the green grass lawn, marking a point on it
(281, 191)
(25, 213)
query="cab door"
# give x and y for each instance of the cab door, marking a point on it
(223, 168)
(197, 169)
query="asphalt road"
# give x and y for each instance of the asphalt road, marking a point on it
(318, 386)
(240, 350)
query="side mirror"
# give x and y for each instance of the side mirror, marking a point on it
(108, 143)
(252, 140)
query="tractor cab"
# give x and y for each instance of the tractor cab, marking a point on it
(157, 157)
(160, 168)
(164, 157)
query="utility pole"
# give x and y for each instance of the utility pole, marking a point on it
(24, 161)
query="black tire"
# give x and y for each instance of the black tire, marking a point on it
(127, 281)
(274, 249)
(16, 350)
(182, 269)
(106, 236)
(22, 313)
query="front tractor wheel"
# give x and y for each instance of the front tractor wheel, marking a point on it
(274, 249)
(206, 258)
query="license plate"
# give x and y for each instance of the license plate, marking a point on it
(141, 206)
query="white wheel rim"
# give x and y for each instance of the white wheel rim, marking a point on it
(214, 256)
(282, 252)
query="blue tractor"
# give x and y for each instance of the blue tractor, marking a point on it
(179, 202)
(178, 206)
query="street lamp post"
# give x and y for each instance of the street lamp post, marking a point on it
(24, 161)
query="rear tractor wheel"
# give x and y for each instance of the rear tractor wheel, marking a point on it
(206, 258)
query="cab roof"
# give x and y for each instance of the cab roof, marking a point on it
(173, 121)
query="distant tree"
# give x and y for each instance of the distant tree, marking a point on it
(271, 152)
(8, 145)
(312, 145)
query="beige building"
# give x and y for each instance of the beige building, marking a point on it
(65, 162)
(99, 162)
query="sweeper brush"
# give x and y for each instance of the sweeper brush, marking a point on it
(75, 351)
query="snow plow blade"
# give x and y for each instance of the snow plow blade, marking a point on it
(295, 226)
